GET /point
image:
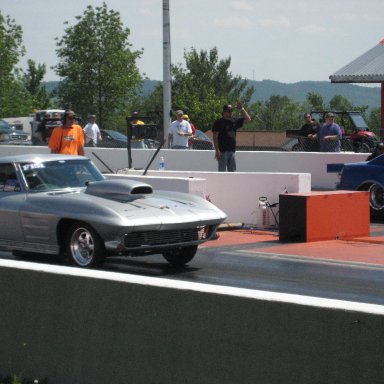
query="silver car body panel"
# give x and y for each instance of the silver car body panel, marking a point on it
(128, 215)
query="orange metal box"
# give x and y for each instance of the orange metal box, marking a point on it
(329, 215)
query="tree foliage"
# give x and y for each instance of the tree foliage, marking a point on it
(97, 67)
(14, 98)
(201, 87)
(315, 101)
(33, 82)
(374, 120)
(11, 48)
(340, 103)
(204, 85)
(276, 114)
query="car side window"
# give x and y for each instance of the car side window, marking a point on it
(8, 179)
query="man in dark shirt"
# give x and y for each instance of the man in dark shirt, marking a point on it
(310, 128)
(308, 133)
(224, 136)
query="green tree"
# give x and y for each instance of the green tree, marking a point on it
(279, 113)
(315, 101)
(152, 105)
(32, 80)
(340, 103)
(205, 85)
(14, 98)
(201, 87)
(374, 121)
(97, 66)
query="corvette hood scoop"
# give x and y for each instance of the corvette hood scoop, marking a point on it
(121, 190)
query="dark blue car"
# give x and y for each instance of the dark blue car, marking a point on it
(366, 176)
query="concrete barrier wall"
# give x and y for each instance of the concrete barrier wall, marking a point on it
(91, 327)
(178, 160)
(237, 194)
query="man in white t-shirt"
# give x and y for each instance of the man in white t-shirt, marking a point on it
(92, 132)
(179, 132)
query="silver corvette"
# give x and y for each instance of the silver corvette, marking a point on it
(63, 205)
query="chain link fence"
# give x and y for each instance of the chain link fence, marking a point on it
(291, 141)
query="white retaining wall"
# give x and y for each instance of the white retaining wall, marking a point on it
(202, 161)
(237, 194)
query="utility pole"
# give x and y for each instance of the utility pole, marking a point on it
(167, 99)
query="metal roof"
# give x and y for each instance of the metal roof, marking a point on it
(367, 68)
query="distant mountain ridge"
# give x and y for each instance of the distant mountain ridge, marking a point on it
(356, 94)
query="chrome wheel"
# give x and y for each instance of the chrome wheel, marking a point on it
(84, 246)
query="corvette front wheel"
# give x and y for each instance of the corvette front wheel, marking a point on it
(180, 256)
(84, 246)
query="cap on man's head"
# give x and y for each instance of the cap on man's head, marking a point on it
(92, 116)
(185, 117)
(179, 112)
(69, 113)
(329, 115)
(227, 107)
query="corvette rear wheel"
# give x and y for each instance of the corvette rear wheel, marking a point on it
(84, 246)
(180, 256)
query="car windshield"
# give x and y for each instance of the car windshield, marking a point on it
(202, 136)
(59, 174)
(117, 135)
(4, 125)
(358, 121)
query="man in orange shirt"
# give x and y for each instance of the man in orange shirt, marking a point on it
(69, 138)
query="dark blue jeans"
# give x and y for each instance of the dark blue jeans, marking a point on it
(227, 161)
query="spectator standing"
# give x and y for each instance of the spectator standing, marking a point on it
(41, 130)
(330, 135)
(308, 134)
(67, 139)
(179, 132)
(92, 132)
(310, 128)
(224, 136)
(190, 139)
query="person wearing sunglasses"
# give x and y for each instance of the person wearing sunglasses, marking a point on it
(68, 139)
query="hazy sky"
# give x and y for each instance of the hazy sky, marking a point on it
(282, 40)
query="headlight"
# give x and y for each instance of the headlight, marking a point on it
(4, 137)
